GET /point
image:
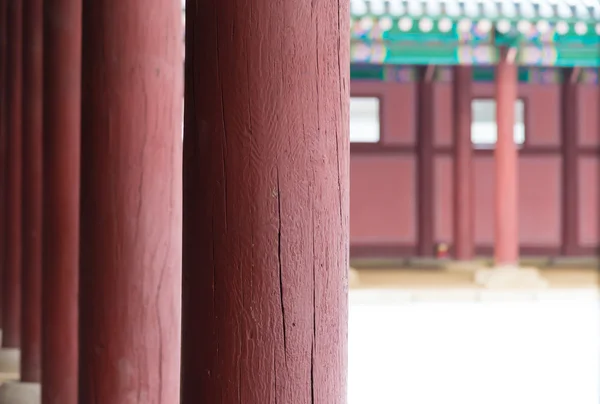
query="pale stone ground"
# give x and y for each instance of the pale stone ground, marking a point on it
(411, 342)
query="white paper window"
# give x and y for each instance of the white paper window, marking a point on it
(364, 120)
(484, 130)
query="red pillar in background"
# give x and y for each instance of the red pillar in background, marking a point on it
(506, 159)
(62, 106)
(570, 183)
(425, 154)
(463, 164)
(3, 154)
(31, 319)
(266, 179)
(11, 331)
(130, 257)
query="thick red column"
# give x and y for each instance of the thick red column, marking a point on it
(266, 165)
(132, 95)
(11, 330)
(62, 97)
(463, 165)
(31, 319)
(506, 159)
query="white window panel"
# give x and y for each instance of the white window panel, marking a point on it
(484, 129)
(364, 120)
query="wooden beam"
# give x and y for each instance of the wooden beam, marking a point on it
(429, 73)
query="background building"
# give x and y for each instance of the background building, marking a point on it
(409, 124)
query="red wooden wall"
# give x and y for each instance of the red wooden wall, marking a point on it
(383, 198)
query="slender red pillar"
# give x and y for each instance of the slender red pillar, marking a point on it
(31, 316)
(506, 159)
(570, 176)
(3, 155)
(62, 97)
(11, 331)
(266, 165)
(131, 202)
(463, 162)
(425, 116)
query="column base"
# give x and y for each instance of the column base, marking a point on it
(20, 393)
(10, 363)
(353, 278)
(510, 277)
(463, 266)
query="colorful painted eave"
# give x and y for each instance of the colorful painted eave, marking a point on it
(450, 32)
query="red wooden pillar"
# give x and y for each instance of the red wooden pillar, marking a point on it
(425, 153)
(463, 164)
(266, 165)
(506, 159)
(62, 97)
(570, 132)
(11, 332)
(130, 256)
(3, 154)
(31, 319)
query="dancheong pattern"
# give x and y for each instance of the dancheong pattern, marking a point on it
(448, 32)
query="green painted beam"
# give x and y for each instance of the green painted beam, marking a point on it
(457, 32)
(415, 53)
(407, 74)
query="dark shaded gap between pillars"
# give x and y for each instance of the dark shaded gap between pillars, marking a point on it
(131, 198)
(62, 106)
(31, 320)
(266, 166)
(11, 296)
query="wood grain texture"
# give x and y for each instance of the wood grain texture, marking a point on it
(11, 322)
(131, 198)
(31, 315)
(266, 165)
(62, 134)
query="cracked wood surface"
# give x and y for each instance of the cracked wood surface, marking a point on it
(131, 202)
(266, 164)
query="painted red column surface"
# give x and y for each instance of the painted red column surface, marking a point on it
(266, 165)
(570, 175)
(31, 319)
(506, 159)
(62, 98)
(463, 164)
(425, 155)
(131, 198)
(11, 329)
(3, 154)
